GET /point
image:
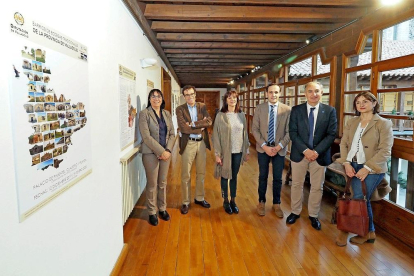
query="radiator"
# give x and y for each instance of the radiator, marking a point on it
(133, 181)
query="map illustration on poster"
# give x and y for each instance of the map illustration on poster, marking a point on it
(49, 101)
(127, 110)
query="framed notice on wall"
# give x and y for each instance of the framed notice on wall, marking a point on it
(50, 105)
(127, 110)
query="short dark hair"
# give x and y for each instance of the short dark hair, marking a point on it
(370, 97)
(187, 87)
(272, 84)
(225, 107)
(152, 92)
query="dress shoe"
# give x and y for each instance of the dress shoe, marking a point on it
(184, 209)
(234, 207)
(227, 207)
(261, 208)
(369, 238)
(164, 215)
(278, 210)
(203, 203)
(342, 238)
(291, 219)
(153, 220)
(315, 223)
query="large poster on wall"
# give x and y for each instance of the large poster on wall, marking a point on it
(49, 104)
(127, 111)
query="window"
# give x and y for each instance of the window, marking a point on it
(398, 40)
(300, 70)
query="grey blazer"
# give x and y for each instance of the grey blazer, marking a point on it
(149, 129)
(261, 126)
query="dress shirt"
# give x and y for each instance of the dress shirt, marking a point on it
(357, 148)
(193, 115)
(275, 106)
(315, 117)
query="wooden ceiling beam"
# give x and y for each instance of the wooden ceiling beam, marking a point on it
(237, 27)
(232, 45)
(239, 57)
(222, 64)
(251, 13)
(339, 3)
(226, 51)
(232, 37)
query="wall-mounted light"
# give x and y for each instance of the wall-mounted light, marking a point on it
(148, 62)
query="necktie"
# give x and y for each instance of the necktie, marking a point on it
(271, 133)
(311, 124)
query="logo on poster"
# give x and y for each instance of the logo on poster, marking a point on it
(18, 17)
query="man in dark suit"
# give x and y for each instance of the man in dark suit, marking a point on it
(193, 120)
(312, 130)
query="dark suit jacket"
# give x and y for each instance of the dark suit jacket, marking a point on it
(324, 135)
(183, 118)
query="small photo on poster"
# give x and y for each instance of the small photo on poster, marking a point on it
(60, 107)
(46, 156)
(28, 108)
(29, 75)
(70, 114)
(40, 97)
(46, 69)
(68, 106)
(50, 98)
(57, 151)
(39, 107)
(36, 128)
(54, 125)
(37, 66)
(59, 133)
(44, 127)
(60, 141)
(61, 115)
(28, 53)
(31, 86)
(68, 141)
(40, 55)
(46, 79)
(36, 149)
(72, 122)
(32, 118)
(38, 77)
(41, 117)
(44, 165)
(31, 97)
(68, 131)
(49, 106)
(52, 116)
(35, 138)
(27, 64)
(41, 88)
(35, 159)
(49, 145)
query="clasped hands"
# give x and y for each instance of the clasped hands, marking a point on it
(220, 160)
(350, 172)
(164, 156)
(311, 155)
(271, 151)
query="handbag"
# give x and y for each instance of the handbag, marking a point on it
(352, 214)
(217, 171)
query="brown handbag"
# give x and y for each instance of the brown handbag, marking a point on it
(352, 214)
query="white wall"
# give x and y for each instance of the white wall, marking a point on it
(80, 232)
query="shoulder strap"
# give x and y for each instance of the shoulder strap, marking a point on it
(348, 187)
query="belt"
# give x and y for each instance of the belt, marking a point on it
(272, 144)
(354, 159)
(195, 139)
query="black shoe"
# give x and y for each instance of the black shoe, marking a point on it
(153, 220)
(291, 219)
(164, 215)
(234, 207)
(227, 207)
(184, 209)
(315, 223)
(203, 203)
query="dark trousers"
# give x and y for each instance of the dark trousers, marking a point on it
(235, 166)
(278, 163)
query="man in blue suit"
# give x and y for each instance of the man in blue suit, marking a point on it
(312, 129)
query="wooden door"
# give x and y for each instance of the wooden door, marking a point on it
(211, 100)
(166, 88)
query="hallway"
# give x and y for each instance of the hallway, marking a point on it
(211, 242)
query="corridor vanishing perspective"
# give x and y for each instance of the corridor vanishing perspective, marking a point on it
(211, 242)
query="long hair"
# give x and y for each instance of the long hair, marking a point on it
(225, 107)
(152, 92)
(370, 97)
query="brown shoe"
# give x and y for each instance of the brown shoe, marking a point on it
(261, 208)
(342, 238)
(369, 238)
(278, 211)
(184, 209)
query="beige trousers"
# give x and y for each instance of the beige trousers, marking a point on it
(193, 150)
(317, 178)
(156, 171)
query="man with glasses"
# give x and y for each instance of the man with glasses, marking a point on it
(312, 128)
(193, 120)
(271, 132)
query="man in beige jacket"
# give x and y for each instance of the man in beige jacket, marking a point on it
(193, 120)
(271, 132)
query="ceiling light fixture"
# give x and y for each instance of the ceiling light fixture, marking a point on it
(390, 2)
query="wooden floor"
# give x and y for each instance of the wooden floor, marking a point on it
(211, 242)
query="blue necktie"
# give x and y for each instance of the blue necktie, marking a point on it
(271, 133)
(311, 124)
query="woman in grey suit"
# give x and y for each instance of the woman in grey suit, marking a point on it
(365, 148)
(231, 146)
(157, 132)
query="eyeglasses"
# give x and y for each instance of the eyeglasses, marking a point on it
(189, 95)
(156, 97)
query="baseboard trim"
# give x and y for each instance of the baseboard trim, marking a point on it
(120, 262)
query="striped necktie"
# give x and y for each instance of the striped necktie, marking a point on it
(271, 133)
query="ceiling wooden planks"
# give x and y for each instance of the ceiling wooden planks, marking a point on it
(215, 41)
